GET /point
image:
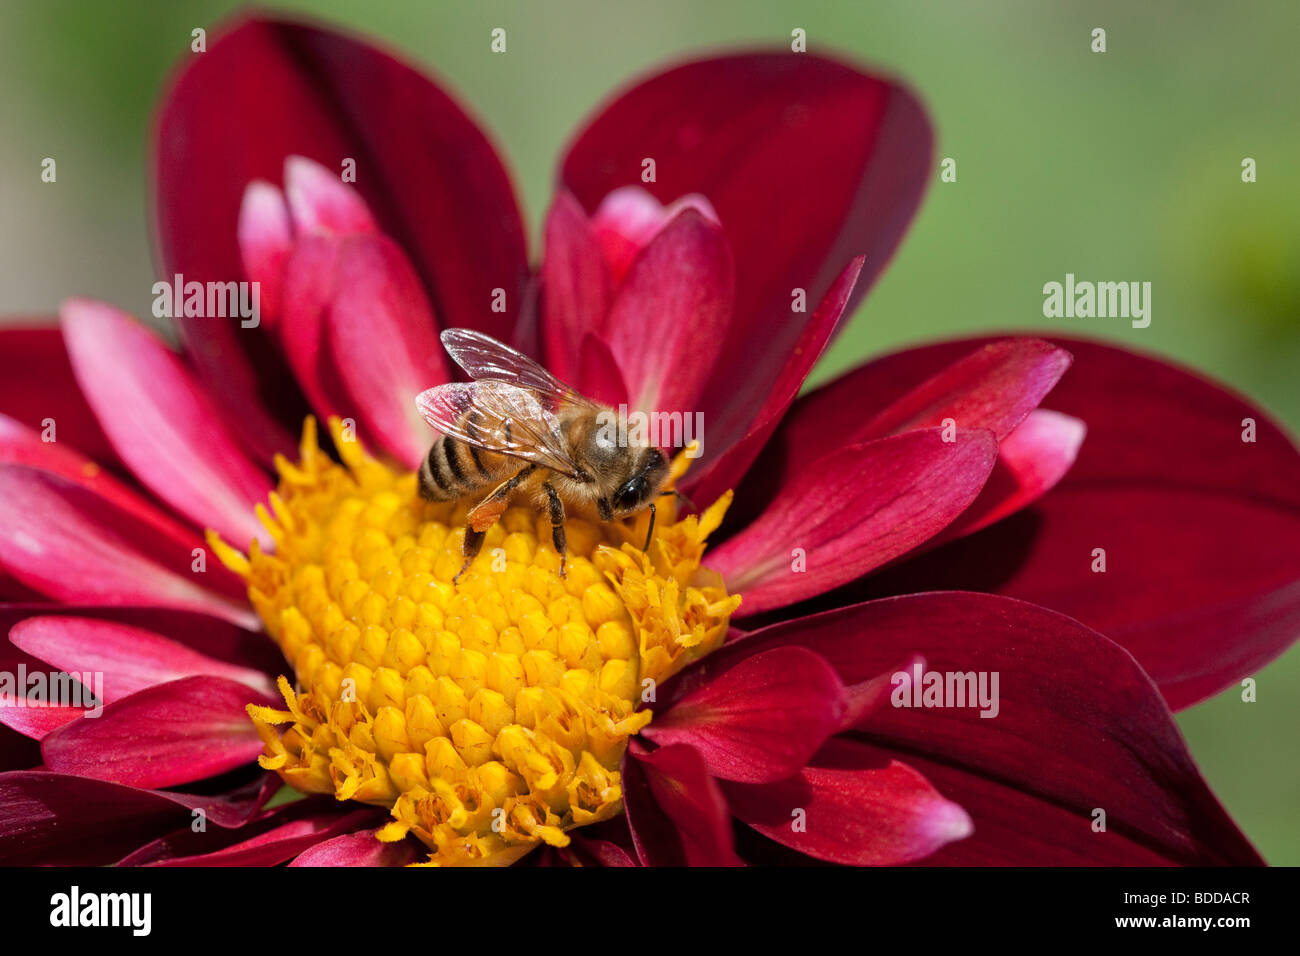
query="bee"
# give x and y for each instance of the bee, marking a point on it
(518, 431)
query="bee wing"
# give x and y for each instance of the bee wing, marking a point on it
(483, 357)
(499, 417)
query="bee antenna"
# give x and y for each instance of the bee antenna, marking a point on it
(649, 532)
(680, 497)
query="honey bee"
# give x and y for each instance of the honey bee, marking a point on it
(518, 431)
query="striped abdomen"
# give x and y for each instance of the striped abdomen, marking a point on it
(454, 468)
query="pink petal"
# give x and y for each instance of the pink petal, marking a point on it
(758, 721)
(319, 201)
(357, 849)
(162, 423)
(629, 217)
(266, 90)
(22, 446)
(265, 236)
(576, 286)
(67, 542)
(722, 472)
(36, 384)
(672, 313)
(858, 509)
(676, 812)
(1079, 726)
(852, 807)
(162, 736)
(130, 658)
(851, 155)
(1031, 461)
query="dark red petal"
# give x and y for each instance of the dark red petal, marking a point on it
(808, 163)
(357, 849)
(53, 819)
(36, 383)
(849, 806)
(276, 845)
(671, 315)
(576, 287)
(725, 458)
(266, 90)
(675, 810)
(1201, 530)
(162, 736)
(759, 720)
(863, 506)
(1079, 726)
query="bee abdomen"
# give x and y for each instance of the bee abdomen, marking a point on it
(451, 469)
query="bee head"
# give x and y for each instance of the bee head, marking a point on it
(644, 485)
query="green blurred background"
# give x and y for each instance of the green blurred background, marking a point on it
(1122, 165)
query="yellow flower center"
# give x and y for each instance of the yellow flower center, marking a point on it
(491, 714)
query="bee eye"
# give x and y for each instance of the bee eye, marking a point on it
(629, 495)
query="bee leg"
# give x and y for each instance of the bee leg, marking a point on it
(473, 544)
(557, 523)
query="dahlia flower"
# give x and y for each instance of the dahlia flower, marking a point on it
(742, 690)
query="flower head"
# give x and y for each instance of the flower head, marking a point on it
(726, 695)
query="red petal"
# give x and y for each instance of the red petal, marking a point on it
(711, 480)
(677, 814)
(266, 90)
(1201, 530)
(808, 163)
(759, 720)
(994, 386)
(66, 541)
(384, 344)
(1079, 726)
(36, 383)
(357, 849)
(165, 735)
(130, 658)
(576, 286)
(162, 423)
(859, 508)
(852, 807)
(671, 314)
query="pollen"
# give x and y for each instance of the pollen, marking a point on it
(490, 714)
